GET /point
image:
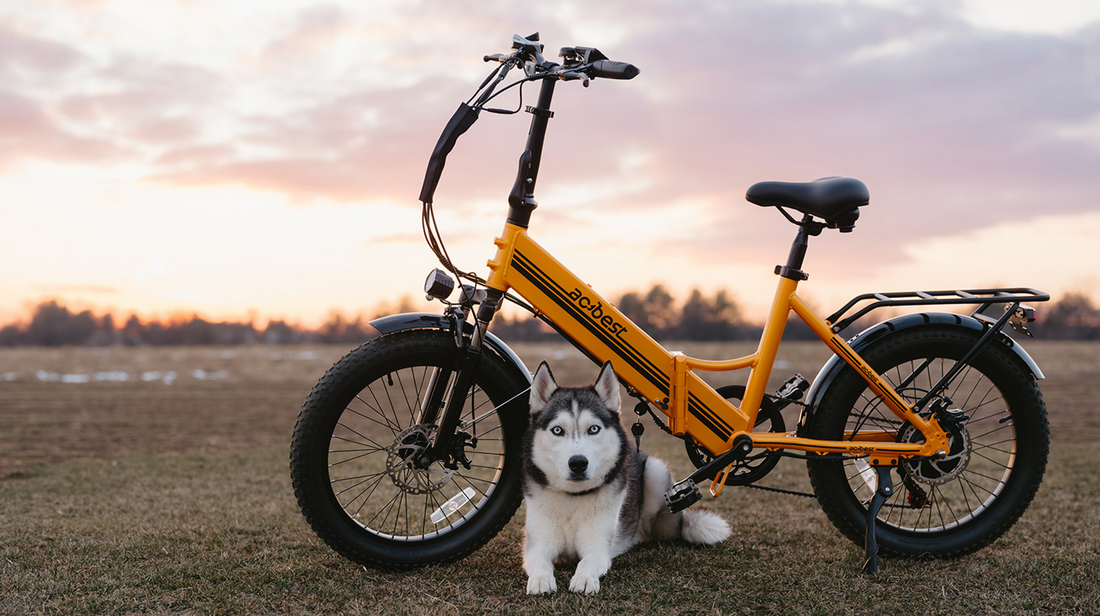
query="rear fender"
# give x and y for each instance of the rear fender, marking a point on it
(863, 339)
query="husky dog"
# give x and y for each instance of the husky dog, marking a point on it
(591, 495)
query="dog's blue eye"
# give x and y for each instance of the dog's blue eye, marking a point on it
(594, 430)
(557, 431)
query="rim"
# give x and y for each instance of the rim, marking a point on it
(936, 496)
(377, 434)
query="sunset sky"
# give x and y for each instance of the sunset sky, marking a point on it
(240, 161)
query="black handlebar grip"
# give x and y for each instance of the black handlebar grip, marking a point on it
(610, 69)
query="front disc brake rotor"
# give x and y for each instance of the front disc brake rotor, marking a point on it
(401, 463)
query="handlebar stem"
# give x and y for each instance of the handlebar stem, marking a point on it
(521, 202)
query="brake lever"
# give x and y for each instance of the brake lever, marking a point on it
(573, 76)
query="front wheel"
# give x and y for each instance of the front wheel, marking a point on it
(940, 507)
(357, 444)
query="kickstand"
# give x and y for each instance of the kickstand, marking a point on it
(882, 492)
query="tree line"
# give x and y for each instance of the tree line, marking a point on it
(53, 324)
(715, 317)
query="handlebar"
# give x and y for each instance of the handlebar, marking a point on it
(578, 63)
(610, 69)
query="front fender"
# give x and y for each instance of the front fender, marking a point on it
(426, 320)
(861, 340)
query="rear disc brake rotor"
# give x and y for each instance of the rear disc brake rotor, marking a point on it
(936, 471)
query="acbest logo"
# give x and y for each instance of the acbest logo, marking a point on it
(595, 309)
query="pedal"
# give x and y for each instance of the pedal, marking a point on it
(682, 496)
(791, 390)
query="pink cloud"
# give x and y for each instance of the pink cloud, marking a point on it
(950, 126)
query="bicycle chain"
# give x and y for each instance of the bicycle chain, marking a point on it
(666, 430)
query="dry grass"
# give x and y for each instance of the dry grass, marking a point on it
(142, 496)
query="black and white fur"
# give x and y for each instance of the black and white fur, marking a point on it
(591, 495)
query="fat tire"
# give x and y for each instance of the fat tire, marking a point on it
(346, 385)
(1024, 420)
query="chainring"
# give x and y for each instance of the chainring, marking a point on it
(751, 468)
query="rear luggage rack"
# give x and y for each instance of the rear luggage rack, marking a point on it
(983, 297)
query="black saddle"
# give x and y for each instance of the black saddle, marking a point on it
(835, 200)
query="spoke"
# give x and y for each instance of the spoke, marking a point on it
(470, 480)
(997, 429)
(912, 375)
(405, 395)
(476, 489)
(365, 478)
(998, 463)
(974, 487)
(992, 447)
(371, 488)
(394, 427)
(984, 403)
(491, 468)
(364, 448)
(356, 485)
(939, 510)
(385, 508)
(424, 517)
(998, 416)
(386, 387)
(363, 436)
(405, 500)
(983, 476)
(962, 483)
(413, 411)
(351, 459)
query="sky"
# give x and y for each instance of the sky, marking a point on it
(239, 161)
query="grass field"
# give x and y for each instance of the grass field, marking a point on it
(155, 480)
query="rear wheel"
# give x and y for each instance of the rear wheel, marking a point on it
(360, 434)
(940, 507)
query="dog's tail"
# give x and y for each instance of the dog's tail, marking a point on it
(704, 526)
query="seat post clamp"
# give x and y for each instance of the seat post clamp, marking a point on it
(791, 273)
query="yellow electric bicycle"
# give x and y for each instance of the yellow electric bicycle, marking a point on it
(924, 435)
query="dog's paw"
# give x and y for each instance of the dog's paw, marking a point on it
(588, 584)
(541, 584)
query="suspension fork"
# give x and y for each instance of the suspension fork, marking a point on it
(450, 394)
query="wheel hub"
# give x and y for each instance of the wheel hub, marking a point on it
(936, 471)
(402, 466)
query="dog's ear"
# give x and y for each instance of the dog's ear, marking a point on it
(607, 387)
(542, 387)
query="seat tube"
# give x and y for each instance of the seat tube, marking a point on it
(769, 346)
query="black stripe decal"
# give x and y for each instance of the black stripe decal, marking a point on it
(709, 418)
(558, 295)
(694, 409)
(639, 362)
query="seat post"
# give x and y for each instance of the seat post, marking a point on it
(793, 268)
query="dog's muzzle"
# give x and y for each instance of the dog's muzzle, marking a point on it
(578, 465)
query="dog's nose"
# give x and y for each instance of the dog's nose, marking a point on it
(578, 464)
